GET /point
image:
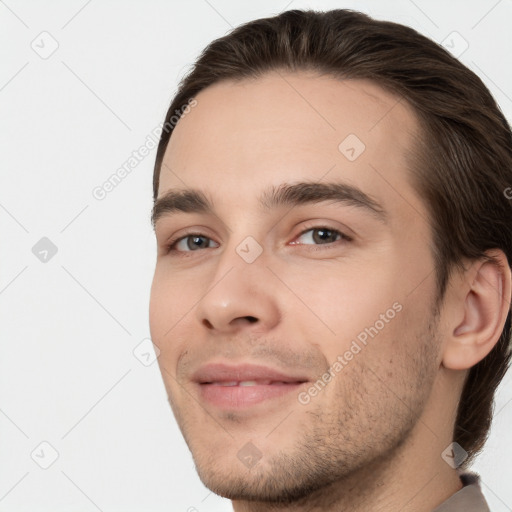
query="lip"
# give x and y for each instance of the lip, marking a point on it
(270, 384)
(216, 372)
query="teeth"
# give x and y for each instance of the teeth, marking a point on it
(243, 383)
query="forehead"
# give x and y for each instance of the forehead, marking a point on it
(284, 127)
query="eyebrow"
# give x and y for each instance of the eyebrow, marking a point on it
(286, 194)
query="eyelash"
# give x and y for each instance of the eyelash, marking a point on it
(343, 237)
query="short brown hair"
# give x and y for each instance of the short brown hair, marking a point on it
(465, 162)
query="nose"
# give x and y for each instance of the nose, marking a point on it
(240, 296)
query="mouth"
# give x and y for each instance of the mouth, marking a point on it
(243, 386)
(247, 383)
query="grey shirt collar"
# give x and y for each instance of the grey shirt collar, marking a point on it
(468, 499)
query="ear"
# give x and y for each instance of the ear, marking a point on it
(477, 305)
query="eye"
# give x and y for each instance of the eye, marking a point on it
(322, 235)
(317, 235)
(189, 243)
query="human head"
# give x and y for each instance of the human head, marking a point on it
(460, 166)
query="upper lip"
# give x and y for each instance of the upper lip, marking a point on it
(220, 372)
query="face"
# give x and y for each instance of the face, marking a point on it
(316, 299)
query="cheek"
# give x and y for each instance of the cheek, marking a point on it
(165, 311)
(170, 317)
(168, 300)
(344, 298)
(158, 304)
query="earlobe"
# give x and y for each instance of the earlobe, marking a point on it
(484, 305)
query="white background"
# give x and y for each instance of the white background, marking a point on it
(68, 375)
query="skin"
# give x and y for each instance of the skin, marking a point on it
(372, 438)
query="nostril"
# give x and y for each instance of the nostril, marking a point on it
(207, 323)
(251, 319)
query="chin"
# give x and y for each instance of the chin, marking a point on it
(284, 480)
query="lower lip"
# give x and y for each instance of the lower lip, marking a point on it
(237, 397)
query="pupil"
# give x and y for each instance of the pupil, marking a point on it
(197, 242)
(325, 234)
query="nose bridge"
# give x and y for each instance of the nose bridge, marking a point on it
(243, 251)
(240, 289)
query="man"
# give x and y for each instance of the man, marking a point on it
(331, 297)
